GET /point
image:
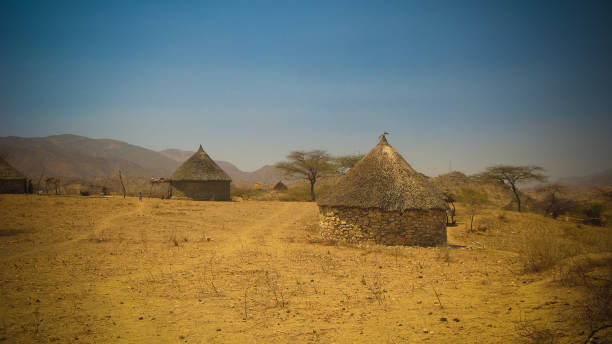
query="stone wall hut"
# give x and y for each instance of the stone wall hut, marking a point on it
(11, 180)
(280, 186)
(200, 179)
(382, 199)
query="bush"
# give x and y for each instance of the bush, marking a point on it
(541, 249)
(593, 212)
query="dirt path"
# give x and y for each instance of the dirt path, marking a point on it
(49, 249)
(264, 230)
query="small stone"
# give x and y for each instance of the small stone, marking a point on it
(218, 330)
(456, 319)
(443, 319)
(37, 301)
(420, 276)
(425, 330)
(140, 318)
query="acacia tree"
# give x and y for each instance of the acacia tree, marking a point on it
(311, 165)
(346, 162)
(512, 176)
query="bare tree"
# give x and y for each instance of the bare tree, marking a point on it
(311, 165)
(346, 162)
(42, 174)
(474, 200)
(52, 181)
(512, 176)
(553, 203)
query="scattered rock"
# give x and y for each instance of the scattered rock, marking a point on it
(218, 330)
(37, 301)
(420, 276)
(419, 302)
(456, 319)
(425, 330)
(443, 319)
(140, 318)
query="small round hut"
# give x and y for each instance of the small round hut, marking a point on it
(382, 199)
(200, 179)
(11, 180)
(280, 186)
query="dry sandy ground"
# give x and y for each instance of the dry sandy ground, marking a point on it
(109, 270)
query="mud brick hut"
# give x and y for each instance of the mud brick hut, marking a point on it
(280, 186)
(382, 199)
(200, 179)
(11, 180)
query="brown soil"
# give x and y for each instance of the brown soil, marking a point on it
(100, 270)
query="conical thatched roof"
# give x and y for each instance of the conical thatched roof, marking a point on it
(9, 172)
(200, 167)
(280, 186)
(384, 180)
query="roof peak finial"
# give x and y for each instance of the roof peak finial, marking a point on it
(383, 138)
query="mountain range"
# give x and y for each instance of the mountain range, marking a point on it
(82, 158)
(594, 180)
(79, 157)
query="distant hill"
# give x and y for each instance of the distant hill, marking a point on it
(177, 154)
(83, 158)
(594, 180)
(265, 174)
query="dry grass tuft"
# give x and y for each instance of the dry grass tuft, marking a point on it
(531, 333)
(541, 249)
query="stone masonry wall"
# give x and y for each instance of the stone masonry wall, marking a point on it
(12, 186)
(410, 227)
(201, 190)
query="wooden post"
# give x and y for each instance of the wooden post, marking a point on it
(122, 185)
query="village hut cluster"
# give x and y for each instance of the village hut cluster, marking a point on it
(384, 200)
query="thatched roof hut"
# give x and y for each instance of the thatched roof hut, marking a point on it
(11, 180)
(382, 198)
(280, 186)
(200, 167)
(384, 180)
(200, 178)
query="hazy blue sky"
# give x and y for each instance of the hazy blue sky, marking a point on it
(475, 82)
